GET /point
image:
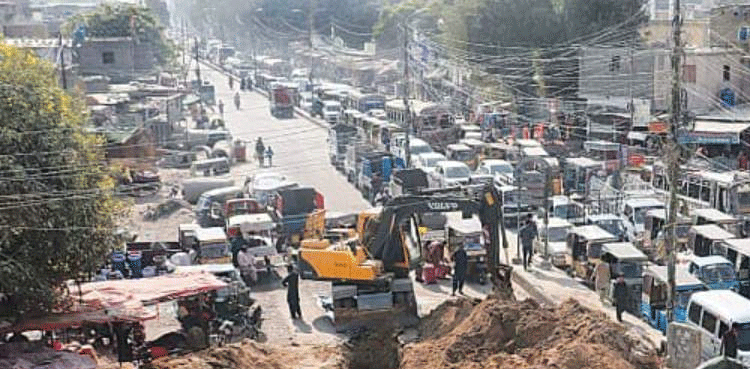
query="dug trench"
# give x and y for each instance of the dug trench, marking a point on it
(498, 333)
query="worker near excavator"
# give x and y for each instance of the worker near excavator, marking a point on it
(291, 282)
(460, 264)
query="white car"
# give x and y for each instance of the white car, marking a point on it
(500, 169)
(331, 111)
(427, 161)
(449, 173)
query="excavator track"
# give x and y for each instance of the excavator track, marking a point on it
(355, 306)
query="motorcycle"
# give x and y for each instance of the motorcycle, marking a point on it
(239, 326)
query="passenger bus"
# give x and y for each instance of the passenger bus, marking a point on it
(728, 192)
(364, 102)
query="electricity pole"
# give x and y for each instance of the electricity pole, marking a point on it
(407, 120)
(673, 156)
(310, 36)
(62, 64)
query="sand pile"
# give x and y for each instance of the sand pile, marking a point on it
(252, 355)
(508, 334)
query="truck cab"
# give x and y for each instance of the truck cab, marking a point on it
(331, 111)
(634, 215)
(555, 233)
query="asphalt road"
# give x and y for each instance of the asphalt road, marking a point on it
(299, 145)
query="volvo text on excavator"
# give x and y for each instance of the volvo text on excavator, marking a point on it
(370, 271)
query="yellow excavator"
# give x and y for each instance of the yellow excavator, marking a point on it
(369, 266)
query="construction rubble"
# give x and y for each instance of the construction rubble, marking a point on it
(497, 333)
(251, 355)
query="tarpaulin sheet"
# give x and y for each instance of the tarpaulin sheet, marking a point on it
(148, 291)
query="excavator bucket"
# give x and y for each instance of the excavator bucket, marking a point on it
(355, 306)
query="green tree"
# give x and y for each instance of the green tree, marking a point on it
(124, 20)
(57, 210)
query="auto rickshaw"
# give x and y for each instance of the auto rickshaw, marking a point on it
(468, 232)
(655, 291)
(653, 237)
(585, 248)
(556, 231)
(211, 245)
(703, 237)
(624, 258)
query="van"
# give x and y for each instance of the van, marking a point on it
(209, 211)
(713, 313)
(210, 167)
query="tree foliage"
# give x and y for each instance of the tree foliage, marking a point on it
(57, 210)
(125, 20)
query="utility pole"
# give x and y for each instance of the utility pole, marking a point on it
(62, 64)
(310, 21)
(407, 120)
(673, 156)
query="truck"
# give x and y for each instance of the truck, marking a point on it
(354, 154)
(291, 210)
(340, 136)
(282, 102)
(380, 164)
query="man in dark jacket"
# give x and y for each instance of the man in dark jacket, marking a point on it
(291, 282)
(729, 342)
(620, 296)
(461, 261)
(527, 234)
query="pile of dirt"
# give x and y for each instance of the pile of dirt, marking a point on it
(508, 334)
(251, 355)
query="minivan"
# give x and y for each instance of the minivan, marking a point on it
(713, 313)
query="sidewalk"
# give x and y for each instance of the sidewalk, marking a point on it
(555, 287)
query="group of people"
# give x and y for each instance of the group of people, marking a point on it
(246, 83)
(263, 152)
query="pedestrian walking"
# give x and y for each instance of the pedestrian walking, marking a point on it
(236, 244)
(221, 108)
(729, 342)
(620, 295)
(259, 150)
(231, 83)
(243, 84)
(237, 100)
(460, 264)
(528, 233)
(269, 155)
(246, 263)
(291, 282)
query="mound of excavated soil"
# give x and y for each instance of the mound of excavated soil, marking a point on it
(251, 355)
(508, 334)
